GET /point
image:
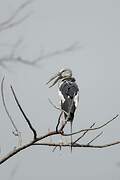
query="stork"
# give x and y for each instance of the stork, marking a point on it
(69, 94)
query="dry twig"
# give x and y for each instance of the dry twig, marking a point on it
(16, 132)
(93, 129)
(95, 138)
(83, 134)
(24, 115)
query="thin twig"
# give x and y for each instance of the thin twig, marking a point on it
(95, 138)
(15, 46)
(56, 106)
(16, 133)
(83, 134)
(93, 129)
(4, 104)
(23, 113)
(16, 22)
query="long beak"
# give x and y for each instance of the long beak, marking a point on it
(56, 77)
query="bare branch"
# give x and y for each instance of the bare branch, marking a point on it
(34, 62)
(4, 104)
(36, 140)
(15, 46)
(78, 145)
(52, 133)
(83, 134)
(16, 133)
(95, 138)
(15, 151)
(15, 23)
(73, 47)
(11, 22)
(24, 115)
(93, 129)
(11, 58)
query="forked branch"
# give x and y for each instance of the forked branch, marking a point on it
(38, 140)
(14, 20)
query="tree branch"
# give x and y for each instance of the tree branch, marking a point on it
(73, 47)
(13, 22)
(16, 133)
(24, 115)
(4, 104)
(18, 59)
(83, 134)
(78, 145)
(10, 22)
(52, 133)
(15, 151)
(93, 129)
(95, 138)
(37, 140)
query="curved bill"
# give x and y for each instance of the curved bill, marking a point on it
(56, 77)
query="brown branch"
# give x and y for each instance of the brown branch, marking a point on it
(92, 129)
(15, 151)
(24, 115)
(34, 142)
(78, 145)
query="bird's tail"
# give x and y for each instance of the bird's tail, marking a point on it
(71, 123)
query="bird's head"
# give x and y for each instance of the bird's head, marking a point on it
(61, 75)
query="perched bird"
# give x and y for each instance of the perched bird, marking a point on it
(69, 94)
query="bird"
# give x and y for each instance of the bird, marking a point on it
(68, 92)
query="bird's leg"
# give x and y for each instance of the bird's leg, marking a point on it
(62, 123)
(59, 119)
(71, 123)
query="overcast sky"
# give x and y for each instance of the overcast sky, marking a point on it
(55, 25)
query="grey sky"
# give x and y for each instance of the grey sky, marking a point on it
(55, 25)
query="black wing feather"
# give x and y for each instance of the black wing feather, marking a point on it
(69, 90)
